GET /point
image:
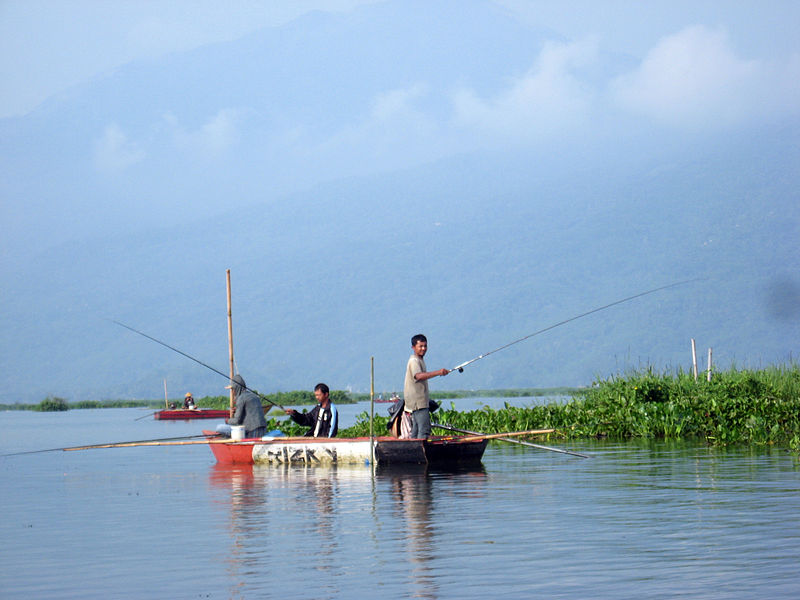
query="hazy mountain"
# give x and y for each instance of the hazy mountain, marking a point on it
(325, 280)
(129, 198)
(186, 136)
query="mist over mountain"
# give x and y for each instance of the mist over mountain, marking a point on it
(357, 175)
(243, 122)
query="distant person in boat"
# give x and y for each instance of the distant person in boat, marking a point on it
(249, 411)
(323, 418)
(188, 402)
(415, 388)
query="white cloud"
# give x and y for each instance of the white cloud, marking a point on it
(397, 103)
(114, 152)
(549, 99)
(213, 138)
(695, 78)
(397, 132)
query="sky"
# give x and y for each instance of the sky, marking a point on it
(47, 46)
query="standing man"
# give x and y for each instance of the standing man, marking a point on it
(415, 388)
(249, 411)
(323, 418)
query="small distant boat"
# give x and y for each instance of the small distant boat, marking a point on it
(393, 399)
(438, 451)
(185, 414)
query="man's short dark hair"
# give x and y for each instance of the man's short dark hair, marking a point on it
(322, 388)
(418, 338)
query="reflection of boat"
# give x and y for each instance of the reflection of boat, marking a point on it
(181, 414)
(328, 451)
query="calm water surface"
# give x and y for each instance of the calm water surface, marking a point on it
(652, 520)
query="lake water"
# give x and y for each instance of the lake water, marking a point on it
(637, 520)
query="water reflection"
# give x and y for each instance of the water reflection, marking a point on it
(320, 511)
(273, 508)
(247, 509)
(413, 496)
(413, 489)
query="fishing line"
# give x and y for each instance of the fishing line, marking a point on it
(199, 362)
(460, 368)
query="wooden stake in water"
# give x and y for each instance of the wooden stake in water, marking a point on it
(166, 402)
(372, 408)
(694, 360)
(708, 375)
(371, 395)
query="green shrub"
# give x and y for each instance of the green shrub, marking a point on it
(52, 405)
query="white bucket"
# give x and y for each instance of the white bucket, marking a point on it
(237, 432)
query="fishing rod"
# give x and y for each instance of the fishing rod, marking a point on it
(460, 368)
(199, 362)
(150, 414)
(506, 439)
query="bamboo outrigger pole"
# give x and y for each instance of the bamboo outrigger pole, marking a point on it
(150, 443)
(230, 340)
(504, 438)
(170, 441)
(493, 436)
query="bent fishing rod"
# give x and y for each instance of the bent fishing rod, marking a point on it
(460, 368)
(199, 362)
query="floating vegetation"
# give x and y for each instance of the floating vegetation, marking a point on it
(736, 407)
(51, 405)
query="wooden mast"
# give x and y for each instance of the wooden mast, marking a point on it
(230, 339)
(372, 410)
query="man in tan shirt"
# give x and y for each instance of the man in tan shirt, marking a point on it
(415, 388)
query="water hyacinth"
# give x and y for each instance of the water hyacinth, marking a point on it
(736, 407)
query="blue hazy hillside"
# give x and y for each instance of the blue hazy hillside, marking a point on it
(323, 281)
(339, 167)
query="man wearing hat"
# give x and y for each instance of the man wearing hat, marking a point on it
(249, 411)
(188, 401)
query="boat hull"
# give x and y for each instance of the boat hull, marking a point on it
(348, 451)
(190, 414)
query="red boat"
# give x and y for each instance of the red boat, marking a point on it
(394, 398)
(185, 414)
